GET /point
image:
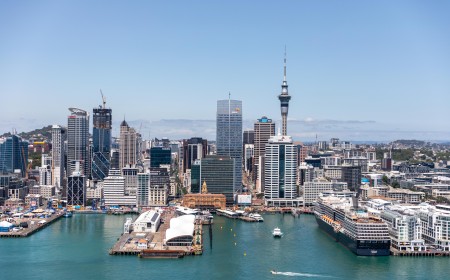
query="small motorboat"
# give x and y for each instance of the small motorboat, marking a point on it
(277, 232)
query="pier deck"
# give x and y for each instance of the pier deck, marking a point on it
(428, 253)
(34, 225)
(127, 242)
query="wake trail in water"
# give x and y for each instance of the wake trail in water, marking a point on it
(300, 274)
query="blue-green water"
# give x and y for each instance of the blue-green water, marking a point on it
(77, 248)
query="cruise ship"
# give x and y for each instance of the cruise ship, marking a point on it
(361, 232)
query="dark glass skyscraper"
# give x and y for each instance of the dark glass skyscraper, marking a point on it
(160, 155)
(101, 141)
(13, 154)
(229, 136)
(217, 172)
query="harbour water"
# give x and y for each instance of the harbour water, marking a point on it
(77, 248)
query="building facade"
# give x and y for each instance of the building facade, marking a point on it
(78, 142)
(13, 155)
(76, 189)
(229, 136)
(128, 152)
(264, 129)
(101, 142)
(280, 170)
(218, 173)
(193, 149)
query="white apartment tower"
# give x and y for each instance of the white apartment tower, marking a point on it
(280, 169)
(59, 135)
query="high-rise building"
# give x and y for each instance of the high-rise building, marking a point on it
(153, 187)
(101, 142)
(284, 98)
(13, 155)
(302, 151)
(217, 172)
(193, 149)
(128, 152)
(249, 150)
(229, 136)
(78, 142)
(264, 128)
(45, 170)
(351, 174)
(59, 136)
(114, 190)
(160, 156)
(159, 187)
(195, 176)
(143, 189)
(249, 137)
(280, 172)
(129, 172)
(76, 187)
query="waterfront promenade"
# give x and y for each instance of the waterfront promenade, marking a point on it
(77, 248)
(33, 225)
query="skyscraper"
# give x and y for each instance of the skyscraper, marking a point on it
(101, 140)
(128, 145)
(284, 98)
(193, 149)
(229, 136)
(13, 155)
(76, 187)
(264, 128)
(217, 172)
(280, 171)
(59, 136)
(78, 142)
(160, 155)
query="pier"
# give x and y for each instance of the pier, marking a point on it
(34, 225)
(155, 247)
(428, 253)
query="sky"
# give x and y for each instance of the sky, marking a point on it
(356, 70)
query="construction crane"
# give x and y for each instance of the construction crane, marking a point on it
(25, 165)
(104, 99)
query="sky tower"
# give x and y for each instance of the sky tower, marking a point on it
(284, 98)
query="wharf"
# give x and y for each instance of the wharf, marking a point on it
(34, 225)
(127, 243)
(428, 253)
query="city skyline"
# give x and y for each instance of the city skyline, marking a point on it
(356, 71)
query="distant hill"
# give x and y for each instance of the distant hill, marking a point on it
(410, 142)
(39, 134)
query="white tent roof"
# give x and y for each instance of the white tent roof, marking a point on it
(181, 226)
(5, 224)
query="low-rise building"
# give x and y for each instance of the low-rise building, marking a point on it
(406, 196)
(34, 200)
(47, 191)
(435, 222)
(405, 229)
(311, 190)
(148, 221)
(368, 192)
(204, 200)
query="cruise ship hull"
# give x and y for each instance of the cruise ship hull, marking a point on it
(360, 248)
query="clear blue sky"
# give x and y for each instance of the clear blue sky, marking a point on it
(381, 61)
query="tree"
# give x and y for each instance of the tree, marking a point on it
(385, 180)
